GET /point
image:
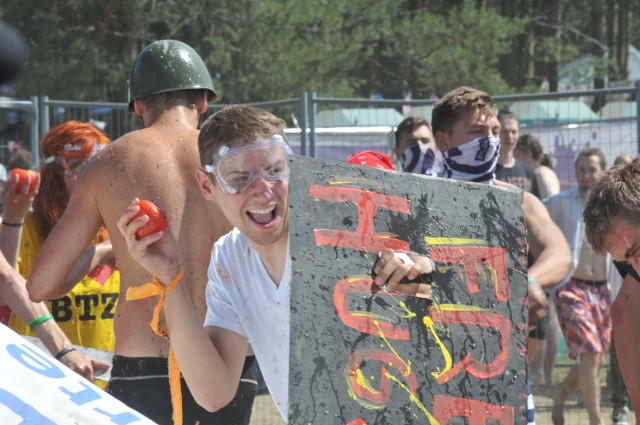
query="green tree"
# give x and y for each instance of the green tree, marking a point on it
(260, 50)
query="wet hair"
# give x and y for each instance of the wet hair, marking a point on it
(53, 197)
(616, 196)
(455, 104)
(236, 124)
(409, 125)
(169, 99)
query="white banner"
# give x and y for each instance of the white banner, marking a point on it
(36, 389)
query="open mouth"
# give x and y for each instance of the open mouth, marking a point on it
(263, 216)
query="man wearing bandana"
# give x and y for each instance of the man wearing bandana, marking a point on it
(415, 146)
(465, 127)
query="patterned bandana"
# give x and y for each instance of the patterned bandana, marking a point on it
(475, 161)
(418, 159)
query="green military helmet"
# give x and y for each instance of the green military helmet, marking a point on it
(168, 65)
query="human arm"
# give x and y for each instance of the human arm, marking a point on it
(16, 205)
(626, 334)
(68, 240)
(547, 243)
(13, 291)
(548, 182)
(210, 358)
(94, 256)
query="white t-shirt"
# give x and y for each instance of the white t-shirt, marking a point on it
(242, 297)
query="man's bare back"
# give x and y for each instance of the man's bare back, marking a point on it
(157, 163)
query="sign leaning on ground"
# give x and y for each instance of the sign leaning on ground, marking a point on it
(362, 356)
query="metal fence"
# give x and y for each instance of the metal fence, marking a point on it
(333, 128)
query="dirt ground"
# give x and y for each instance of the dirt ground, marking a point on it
(265, 413)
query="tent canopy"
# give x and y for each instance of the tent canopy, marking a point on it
(423, 111)
(552, 111)
(358, 117)
(619, 109)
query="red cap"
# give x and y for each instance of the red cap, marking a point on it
(371, 159)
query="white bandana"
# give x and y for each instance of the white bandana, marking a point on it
(418, 159)
(475, 161)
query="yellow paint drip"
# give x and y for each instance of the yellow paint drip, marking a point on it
(454, 241)
(448, 363)
(393, 350)
(414, 399)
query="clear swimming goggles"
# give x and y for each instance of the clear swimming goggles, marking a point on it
(236, 168)
(69, 167)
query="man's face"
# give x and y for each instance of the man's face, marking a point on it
(588, 172)
(473, 125)
(420, 136)
(623, 243)
(260, 211)
(495, 126)
(509, 134)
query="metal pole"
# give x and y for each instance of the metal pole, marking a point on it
(312, 125)
(304, 117)
(637, 85)
(35, 133)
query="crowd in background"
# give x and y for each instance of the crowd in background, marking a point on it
(575, 307)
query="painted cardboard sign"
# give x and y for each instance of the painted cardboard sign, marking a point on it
(362, 356)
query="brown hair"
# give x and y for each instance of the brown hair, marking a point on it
(236, 124)
(616, 196)
(456, 104)
(623, 159)
(587, 152)
(409, 125)
(170, 99)
(21, 159)
(53, 197)
(530, 143)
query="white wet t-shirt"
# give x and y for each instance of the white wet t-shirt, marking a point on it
(242, 297)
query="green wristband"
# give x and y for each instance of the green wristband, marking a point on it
(40, 320)
(532, 280)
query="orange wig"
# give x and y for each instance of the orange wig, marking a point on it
(65, 148)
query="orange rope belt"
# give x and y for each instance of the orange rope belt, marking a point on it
(151, 289)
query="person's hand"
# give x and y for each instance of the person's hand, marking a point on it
(16, 204)
(537, 304)
(156, 252)
(104, 254)
(392, 268)
(82, 364)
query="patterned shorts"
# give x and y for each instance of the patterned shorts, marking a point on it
(584, 316)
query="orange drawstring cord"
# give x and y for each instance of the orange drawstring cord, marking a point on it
(151, 289)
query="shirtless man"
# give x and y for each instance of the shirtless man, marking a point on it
(611, 222)
(465, 127)
(583, 302)
(169, 89)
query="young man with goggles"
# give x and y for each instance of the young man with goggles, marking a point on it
(250, 271)
(235, 168)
